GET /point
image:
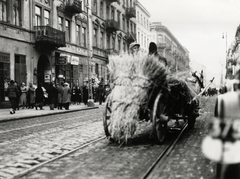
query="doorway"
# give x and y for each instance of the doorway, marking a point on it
(43, 71)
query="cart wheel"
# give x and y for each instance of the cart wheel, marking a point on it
(107, 121)
(159, 125)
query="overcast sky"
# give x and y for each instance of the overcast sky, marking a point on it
(199, 25)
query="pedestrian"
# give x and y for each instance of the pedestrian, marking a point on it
(153, 52)
(73, 94)
(31, 95)
(134, 48)
(85, 92)
(39, 99)
(51, 95)
(13, 94)
(101, 91)
(19, 94)
(66, 96)
(78, 95)
(60, 95)
(23, 97)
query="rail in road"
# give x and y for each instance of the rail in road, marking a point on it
(163, 156)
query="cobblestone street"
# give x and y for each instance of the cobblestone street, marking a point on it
(105, 160)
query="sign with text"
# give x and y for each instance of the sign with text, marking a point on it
(74, 60)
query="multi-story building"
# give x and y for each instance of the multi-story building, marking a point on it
(168, 46)
(45, 41)
(143, 28)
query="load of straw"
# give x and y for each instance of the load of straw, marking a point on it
(134, 78)
(181, 92)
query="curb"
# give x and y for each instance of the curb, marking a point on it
(47, 114)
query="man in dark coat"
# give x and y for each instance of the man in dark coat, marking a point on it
(13, 94)
(51, 95)
(101, 91)
(39, 97)
(153, 51)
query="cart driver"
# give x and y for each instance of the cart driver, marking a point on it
(134, 48)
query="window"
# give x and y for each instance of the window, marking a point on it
(101, 40)
(124, 46)
(95, 7)
(67, 29)
(119, 44)
(113, 43)
(3, 10)
(107, 12)
(123, 23)
(101, 9)
(138, 16)
(46, 17)
(84, 36)
(95, 37)
(113, 14)
(78, 36)
(20, 69)
(60, 23)
(17, 12)
(38, 16)
(119, 20)
(108, 41)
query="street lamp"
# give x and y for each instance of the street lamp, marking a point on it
(225, 36)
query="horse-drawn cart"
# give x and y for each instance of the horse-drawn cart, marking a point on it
(144, 90)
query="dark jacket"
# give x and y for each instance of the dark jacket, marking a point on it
(13, 91)
(39, 95)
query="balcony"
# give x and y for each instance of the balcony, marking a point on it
(47, 37)
(130, 12)
(161, 45)
(73, 7)
(131, 37)
(110, 1)
(112, 26)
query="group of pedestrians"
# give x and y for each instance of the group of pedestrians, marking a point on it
(58, 95)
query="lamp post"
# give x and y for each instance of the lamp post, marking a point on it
(225, 36)
(88, 5)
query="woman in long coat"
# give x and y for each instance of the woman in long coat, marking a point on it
(60, 95)
(39, 97)
(66, 96)
(31, 93)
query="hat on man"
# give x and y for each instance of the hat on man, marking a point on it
(133, 45)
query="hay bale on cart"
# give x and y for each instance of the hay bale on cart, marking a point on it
(144, 89)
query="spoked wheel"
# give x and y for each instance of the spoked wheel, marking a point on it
(106, 120)
(159, 123)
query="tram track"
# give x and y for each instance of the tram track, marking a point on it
(164, 154)
(37, 166)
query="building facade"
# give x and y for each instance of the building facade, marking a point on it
(168, 46)
(45, 41)
(143, 28)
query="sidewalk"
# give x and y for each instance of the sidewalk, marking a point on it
(28, 113)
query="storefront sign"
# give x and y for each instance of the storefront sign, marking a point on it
(61, 61)
(74, 60)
